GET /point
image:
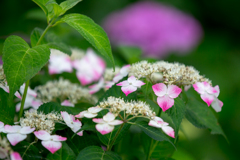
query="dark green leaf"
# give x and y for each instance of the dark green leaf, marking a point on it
(35, 35)
(64, 153)
(41, 5)
(21, 62)
(130, 53)
(97, 153)
(152, 132)
(92, 32)
(177, 112)
(7, 108)
(68, 4)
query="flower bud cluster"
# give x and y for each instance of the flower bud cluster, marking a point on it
(109, 74)
(172, 73)
(64, 89)
(40, 121)
(4, 147)
(116, 105)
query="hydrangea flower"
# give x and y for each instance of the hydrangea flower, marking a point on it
(2, 127)
(156, 28)
(73, 123)
(106, 124)
(16, 133)
(166, 95)
(130, 85)
(90, 68)
(90, 113)
(159, 123)
(209, 94)
(15, 156)
(50, 142)
(123, 73)
(96, 87)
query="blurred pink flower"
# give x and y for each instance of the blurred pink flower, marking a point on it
(155, 28)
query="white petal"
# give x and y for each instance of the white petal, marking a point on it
(26, 130)
(104, 128)
(90, 115)
(123, 83)
(98, 120)
(58, 138)
(115, 122)
(12, 129)
(42, 135)
(81, 114)
(128, 89)
(52, 146)
(173, 91)
(66, 117)
(94, 109)
(169, 131)
(217, 105)
(109, 117)
(15, 138)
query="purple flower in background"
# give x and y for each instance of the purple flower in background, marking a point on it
(155, 28)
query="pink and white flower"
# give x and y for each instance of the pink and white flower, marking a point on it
(59, 62)
(16, 133)
(166, 95)
(209, 94)
(90, 68)
(109, 84)
(90, 113)
(123, 73)
(50, 142)
(130, 85)
(6, 89)
(106, 124)
(15, 156)
(2, 127)
(67, 103)
(159, 123)
(72, 123)
(96, 87)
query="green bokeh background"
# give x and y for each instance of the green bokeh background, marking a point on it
(217, 57)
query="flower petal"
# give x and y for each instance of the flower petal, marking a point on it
(128, 89)
(12, 129)
(81, 114)
(15, 156)
(94, 109)
(160, 89)
(218, 91)
(26, 130)
(104, 128)
(115, 122)
(67, 103)
(173, 91)
(58, 138)
(15, 138)
(1, 124)
(109, 84)
(42, 135)
(98, 120)
(207, 98)
(66, 117)
(109, 117)
(217, 105)
(123, 83)
(52, 146)
(125, 70)
(117, 78)
(90, 115)
(169, 131)
(199, 87)
(138, 83)
(165, 102)
(154, 124)
(80, 133)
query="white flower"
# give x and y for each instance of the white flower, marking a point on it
(90, 113)
(96, 87)
(123, 73)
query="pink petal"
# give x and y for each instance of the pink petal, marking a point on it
(217, 105)
(212, 90)
(15, 156)
(138, 83)
(12, 129)
(81, 114)
(26, 130)
(128, 89)
(132, 80)
(52, 146)
(66, 117)
(36, 104)
(17, 94)
(80, 133)
(115, 122)
(173, 91)
(42, 135)
(67, 103)
(109, 117)
(123, 83)
(154, 124)
(5, 88)
(207, 98)
(58, 138)
(199, 87)
(165, 102)
(84, 79)
(98, 120)
(169, 131)
(15, 138)
(160, 89)
(218, 91)
(104, 128)
(109, 84)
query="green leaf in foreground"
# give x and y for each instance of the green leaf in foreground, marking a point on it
(97, 153)
(68, 4)
(92, 32)
(7, 110)
(64, 153)
(177, 113)
(201, 116)
(21, 62)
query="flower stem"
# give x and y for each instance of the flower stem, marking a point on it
(115, 137)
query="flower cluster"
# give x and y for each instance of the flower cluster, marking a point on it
(109, 74)
(40, 121)
(6, 150)
(64, 89)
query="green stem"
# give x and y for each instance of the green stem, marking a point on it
(27, 83)
(115, 137)
(149, 151)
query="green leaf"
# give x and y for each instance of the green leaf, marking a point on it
(68, 4)
(50, 40)
(92, 32)
(152, 132)
(41, 5)
(177, 112)
(201, 116)
(64, 153)
(31, 153)
(130, 53)
(6, 107)
(97, 153)
(21, 62)
(56, 107)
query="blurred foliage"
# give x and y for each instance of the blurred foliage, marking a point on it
(217, 57)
